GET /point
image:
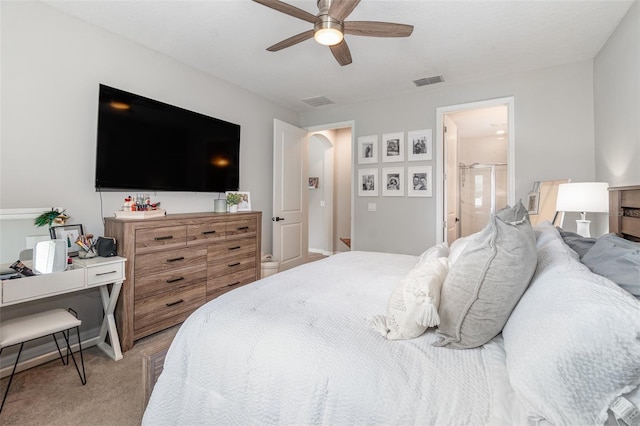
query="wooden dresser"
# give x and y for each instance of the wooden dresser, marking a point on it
(178, 262)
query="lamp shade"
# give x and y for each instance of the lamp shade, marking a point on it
(583, 197)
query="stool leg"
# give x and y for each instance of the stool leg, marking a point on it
(83, 376)
(53, 335)
(13, 372)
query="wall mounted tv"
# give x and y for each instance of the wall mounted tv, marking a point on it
(144, 144)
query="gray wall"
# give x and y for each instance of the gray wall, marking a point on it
(553, 140)
(617, 103)
(51, 67)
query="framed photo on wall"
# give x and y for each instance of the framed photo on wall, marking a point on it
(368, 149)
(393, 147)
(420, 145)
(313, 182)
(70, 234)
(368, 182)
(393, 182)
(419, 181)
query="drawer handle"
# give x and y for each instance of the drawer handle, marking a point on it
(208, 232)
(174, 303)
(176, 259)
(234, 248)
(106, 273)
(175, 280)
(168, 237)
(242, 228)
(232, 284)
(233, 264)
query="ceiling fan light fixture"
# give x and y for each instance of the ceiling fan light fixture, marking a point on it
(328, 36)
(328, 31)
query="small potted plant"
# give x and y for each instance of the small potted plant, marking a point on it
(233, 199)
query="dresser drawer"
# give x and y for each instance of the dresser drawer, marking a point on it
(247, 227)
(219, 285)
(206, 232)
(240, 248)
(153, 239)
(159, 311)
(230, 266)
(104, 274)
(168, 260)
(38, 286)
(151, 285)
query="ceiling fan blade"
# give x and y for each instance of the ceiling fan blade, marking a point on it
(341, 53)
(377, 29)
(291, 41)
(289, 10)
(340, 9)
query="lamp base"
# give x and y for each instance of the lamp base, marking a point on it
(583, 228)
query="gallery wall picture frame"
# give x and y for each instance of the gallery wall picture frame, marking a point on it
(245, 203)
(392, 182)
(393, 147)
(420, 145)
(313, 182)
(419, 181)
(70, 234)
(368, 182)
(368, 149)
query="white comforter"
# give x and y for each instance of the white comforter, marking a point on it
(298, 348)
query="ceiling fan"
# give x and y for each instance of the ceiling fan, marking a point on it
(329, 26)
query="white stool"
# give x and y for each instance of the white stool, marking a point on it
(23, 329)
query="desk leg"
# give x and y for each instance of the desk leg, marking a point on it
(109, 322)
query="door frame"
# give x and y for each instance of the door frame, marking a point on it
(440, 155)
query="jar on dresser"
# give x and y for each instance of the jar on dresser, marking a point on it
(178, 262)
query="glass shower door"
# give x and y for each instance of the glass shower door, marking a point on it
(482, 190)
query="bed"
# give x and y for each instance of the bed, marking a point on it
(302, 346)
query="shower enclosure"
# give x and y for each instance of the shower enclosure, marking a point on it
(482, 190)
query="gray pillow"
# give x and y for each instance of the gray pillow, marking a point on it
(486, 282)
(617, 259)
(577, 242)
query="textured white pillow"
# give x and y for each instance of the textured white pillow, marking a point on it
(434, 252)
(413, 305)
(573, 341)
(458, 246)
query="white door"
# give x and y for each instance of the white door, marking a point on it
(451, 160)
(290, 193)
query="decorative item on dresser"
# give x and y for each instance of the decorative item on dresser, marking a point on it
(178, 262)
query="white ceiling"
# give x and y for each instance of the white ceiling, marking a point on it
(460, 40)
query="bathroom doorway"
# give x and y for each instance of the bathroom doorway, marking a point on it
(476, 153)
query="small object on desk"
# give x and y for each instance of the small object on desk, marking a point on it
(106, 246)
(20, 267)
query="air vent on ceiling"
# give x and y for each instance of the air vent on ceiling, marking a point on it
(428, 80)
(318, 101)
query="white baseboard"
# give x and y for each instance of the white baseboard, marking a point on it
(44, 358)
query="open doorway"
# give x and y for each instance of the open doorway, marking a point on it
(330, 176)
(475, 151)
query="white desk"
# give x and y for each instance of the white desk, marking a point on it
(86, 273)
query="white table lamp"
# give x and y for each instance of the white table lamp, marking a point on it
(583, 197)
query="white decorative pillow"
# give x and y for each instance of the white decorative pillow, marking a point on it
(573, 341)
(487, 280)
(434, 252)
(458, 246)
(413, 305)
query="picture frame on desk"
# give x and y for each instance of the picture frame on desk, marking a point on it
(69, 233)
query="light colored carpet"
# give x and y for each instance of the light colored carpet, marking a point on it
(52, 394)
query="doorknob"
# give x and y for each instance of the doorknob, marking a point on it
(277, 219)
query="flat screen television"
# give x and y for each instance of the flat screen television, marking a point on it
(143, 144)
